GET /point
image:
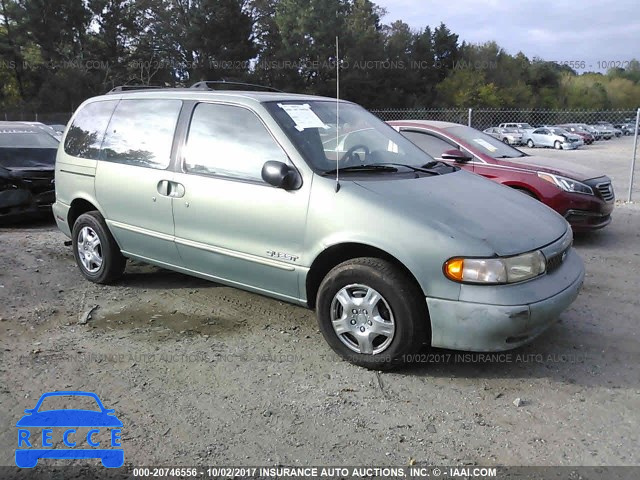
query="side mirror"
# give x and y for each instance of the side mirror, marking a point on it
(456, 155)
(281, 175)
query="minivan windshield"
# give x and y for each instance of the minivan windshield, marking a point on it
(346, 137)
(486, 143)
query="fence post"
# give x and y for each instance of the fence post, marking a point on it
(633, 157)
(470, 115)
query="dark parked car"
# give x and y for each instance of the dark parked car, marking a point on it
(583, 196)
(27, 161)
(626, 128)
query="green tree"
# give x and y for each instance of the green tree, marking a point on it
(422, 61)
(445, 47)
(467, 88)
(363, 44)
(308, 30)
(10, 52)
(401, 81)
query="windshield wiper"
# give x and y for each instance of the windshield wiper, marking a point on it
(436, 163)
(424, 168)
(372, 167)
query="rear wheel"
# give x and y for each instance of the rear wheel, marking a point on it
(530, 143)
(371, 313)
(95, 250)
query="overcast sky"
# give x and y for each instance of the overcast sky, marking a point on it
(560, 30)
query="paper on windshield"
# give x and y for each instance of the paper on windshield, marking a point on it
(303, 116)
(482, 142)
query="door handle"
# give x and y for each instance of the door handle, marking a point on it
(163, 188)
(176, 190)
(167, 188)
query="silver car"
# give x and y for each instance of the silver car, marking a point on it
(393, 249)
(553, 137)
(508, 135)
(603, 131)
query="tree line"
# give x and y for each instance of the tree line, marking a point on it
(55, 54)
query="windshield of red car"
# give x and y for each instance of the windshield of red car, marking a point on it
(485, 143)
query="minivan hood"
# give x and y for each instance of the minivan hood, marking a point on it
(462, 203)
(552, 165)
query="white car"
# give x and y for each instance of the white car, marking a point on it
(555, 137)
(508, 135)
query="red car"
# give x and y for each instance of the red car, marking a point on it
(587, 138)
(583, 196)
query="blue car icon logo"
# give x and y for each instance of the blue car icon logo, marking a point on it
(67, 423)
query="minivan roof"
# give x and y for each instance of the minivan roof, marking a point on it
(240, 96)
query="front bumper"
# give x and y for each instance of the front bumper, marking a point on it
(18, 203)
(584, 220)
(498, 325)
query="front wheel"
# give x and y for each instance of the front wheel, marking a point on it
(557, 145)
(530, 143)
(505, 140)
(95, 250)
(371, 313)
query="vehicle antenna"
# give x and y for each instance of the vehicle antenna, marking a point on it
(337, 114)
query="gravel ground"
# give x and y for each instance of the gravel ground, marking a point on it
(202, 374)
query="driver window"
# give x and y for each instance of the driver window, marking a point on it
(229, 141)
(429, 143)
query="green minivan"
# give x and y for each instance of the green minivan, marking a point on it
(315, 202)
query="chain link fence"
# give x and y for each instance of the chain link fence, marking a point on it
(485, 118)
(477, 118)
(26, 116)
(623, 121)
(481, 119)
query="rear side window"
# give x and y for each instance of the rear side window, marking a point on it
(86, 133)
(231, 142)
(431, 144)
(141, 133)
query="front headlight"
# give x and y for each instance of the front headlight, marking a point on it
(496, 270)
(566, 184)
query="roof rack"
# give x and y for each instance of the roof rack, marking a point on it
(126, 88)
(210, 85)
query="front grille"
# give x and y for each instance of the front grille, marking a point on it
(555, 262)
(606, 191)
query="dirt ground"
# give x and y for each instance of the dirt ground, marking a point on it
(202, 374)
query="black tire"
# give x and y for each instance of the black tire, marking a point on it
(505, 140)
(530, 143)
(113, 262)
(406, 307)
(557, 145)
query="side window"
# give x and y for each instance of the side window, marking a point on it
(229, 141)
(86, 133)
(431, 144)
(141, 133)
